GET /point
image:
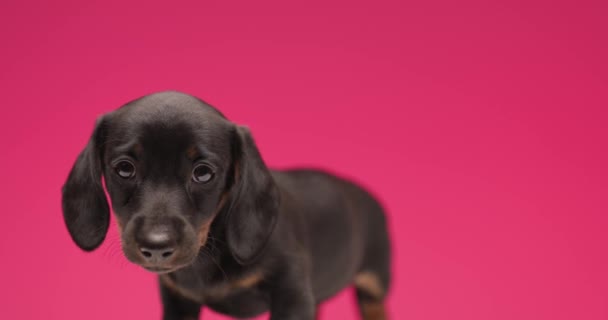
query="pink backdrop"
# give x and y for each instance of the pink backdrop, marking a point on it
(482, 126)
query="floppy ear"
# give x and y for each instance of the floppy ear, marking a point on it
(85, 208)
(252, 213)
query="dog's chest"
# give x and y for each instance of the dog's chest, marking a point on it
(242, 304)
(239, 297)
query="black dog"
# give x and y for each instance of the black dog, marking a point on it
(196, 204)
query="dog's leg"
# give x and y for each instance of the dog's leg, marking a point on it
(292, 297)
(370, 292)
(372, 281)
(176, 307)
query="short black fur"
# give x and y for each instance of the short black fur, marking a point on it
(245, 241)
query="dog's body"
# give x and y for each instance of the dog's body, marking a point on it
(195, 203)
(328, 229)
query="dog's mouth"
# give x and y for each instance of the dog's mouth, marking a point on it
(159, 270)
(164, 268)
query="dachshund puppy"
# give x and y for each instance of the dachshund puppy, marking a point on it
(195, 203)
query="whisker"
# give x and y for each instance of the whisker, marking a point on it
(214, 239)
(209, 255)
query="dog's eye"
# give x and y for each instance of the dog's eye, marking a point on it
(202, 174)
(125, 169)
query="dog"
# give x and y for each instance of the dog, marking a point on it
(195, 203)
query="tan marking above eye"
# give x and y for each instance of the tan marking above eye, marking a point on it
(192, 152)
(138, 149)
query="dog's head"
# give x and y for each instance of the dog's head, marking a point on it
(175, 169)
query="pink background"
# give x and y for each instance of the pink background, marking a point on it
(482, 126)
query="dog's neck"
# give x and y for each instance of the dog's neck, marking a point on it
(212, 276)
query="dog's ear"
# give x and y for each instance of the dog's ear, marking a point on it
(85, 208)
(254, 200)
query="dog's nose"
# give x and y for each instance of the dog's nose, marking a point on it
(156, 245)
(156, 255)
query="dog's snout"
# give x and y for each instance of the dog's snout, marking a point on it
(156, 244)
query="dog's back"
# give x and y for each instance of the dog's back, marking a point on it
(344, 227)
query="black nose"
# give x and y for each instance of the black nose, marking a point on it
(156, 245)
